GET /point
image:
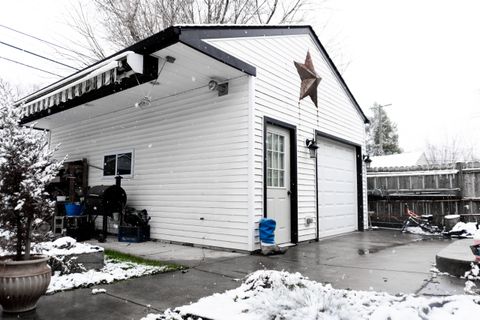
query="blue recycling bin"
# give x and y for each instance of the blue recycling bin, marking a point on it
(73, 209)
(267, 231)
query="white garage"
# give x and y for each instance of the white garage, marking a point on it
(337, 187)
(224, 137)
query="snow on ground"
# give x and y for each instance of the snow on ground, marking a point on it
(98, 291)
(418, 230)
(65, 246)
(270, 294)
(469, 229)
(466, 230)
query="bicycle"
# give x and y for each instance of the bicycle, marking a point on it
(423, 221)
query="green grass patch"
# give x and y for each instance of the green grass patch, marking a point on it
(125, 257)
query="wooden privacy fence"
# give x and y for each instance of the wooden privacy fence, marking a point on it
(436, 190)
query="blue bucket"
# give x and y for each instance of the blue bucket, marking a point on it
(267, 231)
(73, 209)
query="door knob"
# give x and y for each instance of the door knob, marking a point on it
(288, 192)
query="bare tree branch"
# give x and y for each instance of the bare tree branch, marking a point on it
(451, 150)
(272, 11)
(120, 23)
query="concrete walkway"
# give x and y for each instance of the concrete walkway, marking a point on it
(380, 260)
(167, 252)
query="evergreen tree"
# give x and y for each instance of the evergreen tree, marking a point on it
(27, 165)
(382, 136)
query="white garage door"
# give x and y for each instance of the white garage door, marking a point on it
(337, 188)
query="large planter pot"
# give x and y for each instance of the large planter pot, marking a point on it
(22, 283)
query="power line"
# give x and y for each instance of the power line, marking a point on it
(37, 55)
(29, 66)
(45, 41)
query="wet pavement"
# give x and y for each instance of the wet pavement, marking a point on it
(380, 260)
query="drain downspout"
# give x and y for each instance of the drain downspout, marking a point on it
(316, 193)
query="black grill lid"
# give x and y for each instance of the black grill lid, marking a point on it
(108, 193)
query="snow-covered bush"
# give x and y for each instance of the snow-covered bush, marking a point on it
(279, 295)
(472, 276)
(64, 253)
(26, 167)
(65, 266)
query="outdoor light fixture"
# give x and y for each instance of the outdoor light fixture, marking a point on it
(312, 147)
(145, 102)
(367, 160)
(222, 88)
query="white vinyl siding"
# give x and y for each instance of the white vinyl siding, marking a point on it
(190, 164)
(277, 88)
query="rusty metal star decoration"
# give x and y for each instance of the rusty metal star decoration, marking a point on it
(310, 79)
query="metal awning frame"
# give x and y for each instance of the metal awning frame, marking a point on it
(103, 74)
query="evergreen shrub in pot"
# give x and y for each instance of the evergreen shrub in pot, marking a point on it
(27, 165)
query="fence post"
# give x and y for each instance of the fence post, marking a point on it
(461, 186)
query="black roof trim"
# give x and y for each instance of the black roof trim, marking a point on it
(218, 54)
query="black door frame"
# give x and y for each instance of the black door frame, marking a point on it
(293, 173)
(359, 167)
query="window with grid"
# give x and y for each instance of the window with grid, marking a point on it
(275, 160)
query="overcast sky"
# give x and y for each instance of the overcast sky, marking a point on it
(421, 56)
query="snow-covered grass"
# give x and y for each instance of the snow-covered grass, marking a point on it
(114, 270)
(117, 267)
(279, 295)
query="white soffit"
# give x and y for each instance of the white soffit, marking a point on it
(191, 70)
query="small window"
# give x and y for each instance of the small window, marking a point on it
(118, 164)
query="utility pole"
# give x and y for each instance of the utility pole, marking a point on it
(380, 124)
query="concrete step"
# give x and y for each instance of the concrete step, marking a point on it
(456, 259)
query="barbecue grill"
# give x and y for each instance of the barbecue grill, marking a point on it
(104, 201)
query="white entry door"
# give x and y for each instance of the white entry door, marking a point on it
(278, 181)
(337, 187)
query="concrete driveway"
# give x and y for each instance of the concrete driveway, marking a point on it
(380, 260)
